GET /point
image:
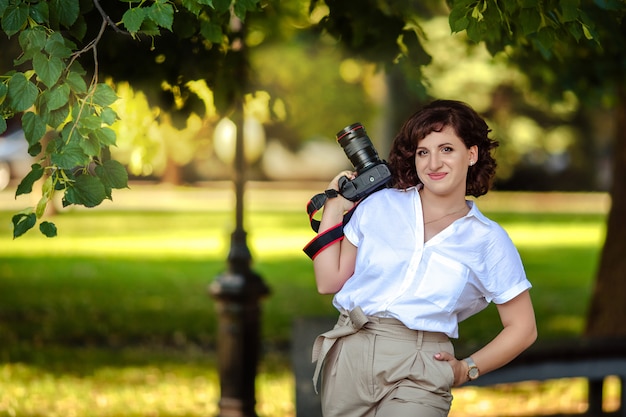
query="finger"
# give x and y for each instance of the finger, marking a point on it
(443, 356)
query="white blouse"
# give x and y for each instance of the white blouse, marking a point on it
(428, 286)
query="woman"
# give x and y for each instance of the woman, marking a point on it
(418, 258)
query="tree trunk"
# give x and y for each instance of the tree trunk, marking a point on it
(607, 314)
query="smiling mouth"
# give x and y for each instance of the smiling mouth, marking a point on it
(437, 176)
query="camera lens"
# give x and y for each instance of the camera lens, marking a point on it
(358, 147)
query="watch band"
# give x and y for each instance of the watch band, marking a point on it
(473, 371)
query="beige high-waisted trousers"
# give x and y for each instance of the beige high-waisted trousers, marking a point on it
(373, 366)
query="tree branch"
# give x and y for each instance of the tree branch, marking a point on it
(107, 19)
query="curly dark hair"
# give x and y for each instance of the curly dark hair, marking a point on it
(434, 117)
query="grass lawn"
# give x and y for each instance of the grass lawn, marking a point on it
(113, 318)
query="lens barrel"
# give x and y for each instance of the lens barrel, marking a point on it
(358, 147)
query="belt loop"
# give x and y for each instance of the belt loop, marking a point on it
(420, 339)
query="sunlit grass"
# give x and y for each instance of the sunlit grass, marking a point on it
(198, 235)
(125, 391)
(193, 390)
(562, 396)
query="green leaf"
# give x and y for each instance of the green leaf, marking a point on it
(86, 190)
(39, 12)
(587, 32)
(458, 18)
(70, 156)
(48, 229)
(22, 93)
(530, 19)
(3, 125)
(88, 123)
(575, 30)
(54, 118)
(35, 149)
(15, 17)
(34, 127)
(569, 10)
(473, 30)
(221, 6)
(32, 41)
(162, 14)
(58, 96)
(77, 68)
(547, 37)
(211, 32)
(41, 207)
(48, 69)
(3, 91)
(3, 6)
(150, 28)
(26, 185)
(47, 188)
(79, 28)
(22, 223)
(195, 7)
(90, 146)
(104, 95)
(105, 136)
(113, 174)
(109, 116)
(76, 82)
(56, 47)
(242, 7)
(510, 6)
(133, 19)
(66, 10)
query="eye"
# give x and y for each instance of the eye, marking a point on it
(421, 152)
(447, 149)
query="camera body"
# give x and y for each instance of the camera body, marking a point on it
(372, 173)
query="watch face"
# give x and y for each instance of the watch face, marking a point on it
(473, 373)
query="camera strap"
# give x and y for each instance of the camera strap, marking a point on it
(330, 236)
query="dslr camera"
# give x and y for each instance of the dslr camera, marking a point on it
(372, 173)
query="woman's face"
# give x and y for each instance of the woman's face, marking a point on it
(442, 161)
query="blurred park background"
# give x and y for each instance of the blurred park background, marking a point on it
(113, 316)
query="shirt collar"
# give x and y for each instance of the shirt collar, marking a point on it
(474, 211)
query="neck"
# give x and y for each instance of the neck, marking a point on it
(442, 204)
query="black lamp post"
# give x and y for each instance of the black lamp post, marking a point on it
(238, 292)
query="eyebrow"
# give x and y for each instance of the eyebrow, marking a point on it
(439, 146)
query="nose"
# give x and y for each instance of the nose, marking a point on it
(434, 162)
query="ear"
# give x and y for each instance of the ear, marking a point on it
(473, 154)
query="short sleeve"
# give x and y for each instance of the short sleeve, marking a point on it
(351, 229)
(506, 277)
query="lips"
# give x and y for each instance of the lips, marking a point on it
(436, 176)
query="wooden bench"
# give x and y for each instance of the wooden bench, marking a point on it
(592, 359)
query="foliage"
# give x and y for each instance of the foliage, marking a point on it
(515, 23)
(67, 120)
(556, 36)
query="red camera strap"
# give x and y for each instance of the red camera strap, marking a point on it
(330, 236)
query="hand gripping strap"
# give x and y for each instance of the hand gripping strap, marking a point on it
(316, 203)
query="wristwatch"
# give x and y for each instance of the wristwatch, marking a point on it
(473, 372)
